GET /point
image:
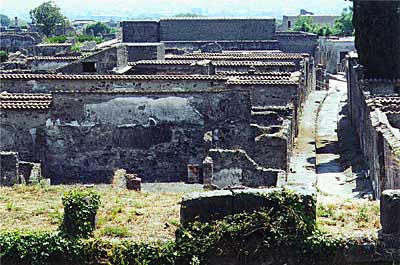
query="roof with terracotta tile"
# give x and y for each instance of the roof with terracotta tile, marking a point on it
(24, 101)
(111, 77)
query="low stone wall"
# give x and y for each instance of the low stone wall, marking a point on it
(52, 49)
(214, 205)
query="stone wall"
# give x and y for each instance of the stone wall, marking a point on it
(300, 42)
(178, 47)
(52, 49)
(145, 51)
(9, 168)
(40, 65)
(152, 134)
(140, 31)
(172, 68)
(214, 29)
(102, 62)
(22, 131)
(269, 93)
(235, 167)
(369, 106)
(49, 83)
(12, 42)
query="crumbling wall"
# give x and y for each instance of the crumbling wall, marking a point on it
(103, 62)
(273, 145)
(12, 42)
(22, 131)
(152, 134)
(99, 83)
(269, 93)
(235, 167)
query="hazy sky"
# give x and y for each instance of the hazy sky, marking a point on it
(118, 7)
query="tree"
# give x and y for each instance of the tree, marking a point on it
(188, 15)
(306, 24)
(47, 16)
(97, 28)
(344, 24)
(4, 20)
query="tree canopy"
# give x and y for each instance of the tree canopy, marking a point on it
(4, 20)
(343, 25)
(306, 24)
(46, 16)
(188, 15)
(97, 28)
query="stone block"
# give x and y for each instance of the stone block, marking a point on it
(133, 182)
(390, 212)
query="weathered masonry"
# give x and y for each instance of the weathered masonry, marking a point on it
(198, 29)
(375, 113)
(217, 34)
(165, 120)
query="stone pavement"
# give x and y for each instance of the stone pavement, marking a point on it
(332, 178)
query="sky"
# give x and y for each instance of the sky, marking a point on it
(275, 8)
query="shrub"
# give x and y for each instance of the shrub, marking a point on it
(80, 208)
(56, 39)
(3, 56)
(285, 225)
(83, 38)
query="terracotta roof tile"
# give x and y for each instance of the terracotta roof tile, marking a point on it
(16, 101)
(111, 77)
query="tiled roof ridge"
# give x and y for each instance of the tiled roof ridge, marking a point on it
(55, 58)
(261, 82)
(251, 63)
(112, 77)
(53, 44)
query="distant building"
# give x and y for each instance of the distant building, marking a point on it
(288, 22)
(332, 51)
(80, 23)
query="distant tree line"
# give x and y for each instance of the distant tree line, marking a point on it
(343, 25)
